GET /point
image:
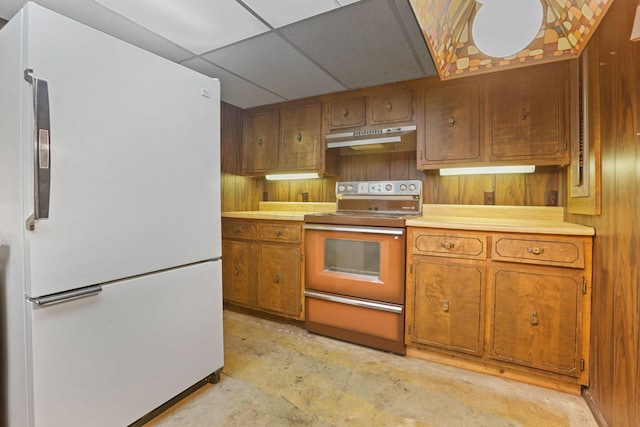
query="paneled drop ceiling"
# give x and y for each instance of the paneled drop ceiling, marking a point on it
(266, 51)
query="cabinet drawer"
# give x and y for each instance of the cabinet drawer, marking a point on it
(280, 233)
(470, 245)
(560, 251)
(239, 230)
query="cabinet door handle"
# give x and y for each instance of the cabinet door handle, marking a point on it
(389, 107)
(524, 114)
(445, 305)
(535, 251)
(533, 318)
(260, 142)
(277, 278)
(447, 245)
(451, 121)
(345, 112)
(236, 271)
(299, 136)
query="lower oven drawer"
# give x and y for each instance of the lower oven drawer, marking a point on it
(373, 327)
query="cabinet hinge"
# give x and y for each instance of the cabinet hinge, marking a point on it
(584, 286)
(581, 364)
(411, 268)
(409, 329)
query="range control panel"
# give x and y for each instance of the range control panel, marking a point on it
(373, 188)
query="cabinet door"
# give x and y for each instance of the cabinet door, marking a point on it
(346, 113)
(535, 318)
(525, 117)
(392, 106)
(448, 304)
(301, 138)
(238, 272)
(260, 142)
(279, 279)
(452, 124)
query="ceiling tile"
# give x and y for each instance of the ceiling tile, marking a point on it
(362, 45)
(279, 13)
(270, 62)
(234, 90)
(197, 25)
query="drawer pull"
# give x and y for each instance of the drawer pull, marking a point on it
(533, 318)
(277, 278)
(445, 305)
(345, 112)
(236, 271)
(388, 107)
(299, 137)
(447, 245)
(260, 142)
(238, 230)
(279, 233)
(535, 251)
(451, 121)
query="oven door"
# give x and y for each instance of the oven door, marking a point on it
(363, 262)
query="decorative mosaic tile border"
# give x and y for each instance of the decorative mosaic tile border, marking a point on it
(446, 26)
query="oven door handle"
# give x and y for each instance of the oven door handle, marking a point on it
(350, 229)
(392, 308)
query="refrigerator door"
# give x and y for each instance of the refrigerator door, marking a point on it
(133, 160)
(106, 360)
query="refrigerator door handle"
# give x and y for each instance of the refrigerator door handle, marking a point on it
(41, 146)
(66, 296)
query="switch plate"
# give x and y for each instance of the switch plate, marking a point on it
(551, 198)
(489, 197)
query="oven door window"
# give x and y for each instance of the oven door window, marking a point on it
(354, 257)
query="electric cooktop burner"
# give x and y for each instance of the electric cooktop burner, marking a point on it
(373, 203)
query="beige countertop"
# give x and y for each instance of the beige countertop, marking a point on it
(284, 211)
(509, 219)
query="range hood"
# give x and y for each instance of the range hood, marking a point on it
(371, 141)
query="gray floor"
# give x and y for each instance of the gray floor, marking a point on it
(280, 375)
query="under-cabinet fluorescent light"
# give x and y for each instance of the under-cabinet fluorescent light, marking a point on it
(484, 170)
(283, 176)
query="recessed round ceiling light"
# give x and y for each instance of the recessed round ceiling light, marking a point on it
(503, 28)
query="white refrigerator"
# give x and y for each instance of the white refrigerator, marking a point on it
(110, 271)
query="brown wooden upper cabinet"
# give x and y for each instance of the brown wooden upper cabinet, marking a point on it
(372, 107)
(518, 116)
(283, 138)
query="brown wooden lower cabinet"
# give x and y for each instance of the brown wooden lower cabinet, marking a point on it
(262, 265)
(517, 305)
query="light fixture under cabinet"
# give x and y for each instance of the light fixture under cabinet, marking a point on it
(485, 170)
(291, 176)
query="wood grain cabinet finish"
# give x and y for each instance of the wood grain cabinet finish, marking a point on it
(260, 144)
(447, 310)
(527, 114)
(392, 106)
(452, 124)
(536, 317)
(371, 108)
(262, 265)
(283, 138)
(511, 304)
(346, 113)
(519, 116)
(300, 138)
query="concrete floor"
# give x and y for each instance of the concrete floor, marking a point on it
(280, 375)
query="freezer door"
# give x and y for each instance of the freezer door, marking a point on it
(133, 159)
(108, 359)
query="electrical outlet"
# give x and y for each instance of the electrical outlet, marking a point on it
(305, 196)
(489, 197)
(265, 196)
(551, 198)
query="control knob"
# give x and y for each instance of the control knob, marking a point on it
(403, 187)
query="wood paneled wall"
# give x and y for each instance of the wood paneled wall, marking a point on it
(614, 392)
